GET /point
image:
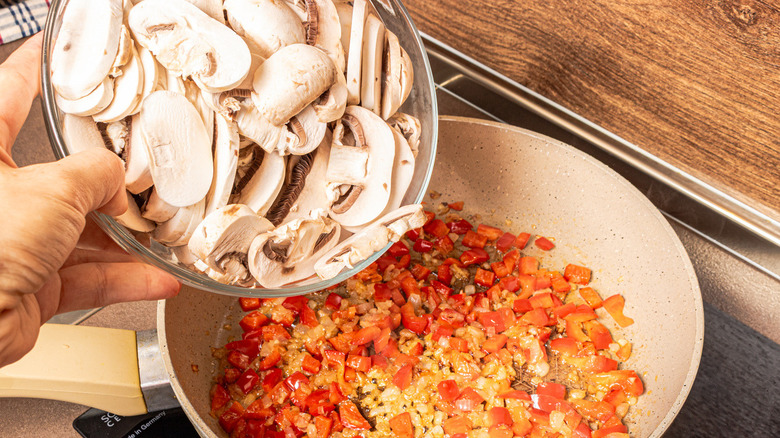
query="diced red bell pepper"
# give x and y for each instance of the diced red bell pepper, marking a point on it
(529, 265)
(414, 234)
(522, 305)
(323, 426)
(537, 317)
(499, 415)
(238, 360)
(598, 334)
(448, 390)
(499, 320)
(256, 411)
(334, 358)
(521, 240)
(350, 375)
(410, 286)
(577, 274)
(600, 364)
(574, 330)
(366, 335)
(544, 243)
(249, 347)
(248, 380)
(559, 284)
(511, 259)
(560, 312)
(494, 343)
(474, 240)
(271, 360)
(359, 363)
(351, 418)
(398, 249)
(342, 342)
(273, 332)
(310, 364)
(615, 397)
(296, 380)
(468, 400)
(444, 245)
(334, 301)
(411, 321)
(509, 283)
(219, 396)
(591, 297)
(385, 261)
(437, 227)
(605, 432)
(459, 344)
(455, 425)
(581, 314)
(484, 278)
(522, 427)
(516, 394)
(401, 425)
(460, 227)
(295, 303)
(444, 274)
(230, 417)
(551, 389)
(582, 431)
(403, 377)
(627, 380)
(500, 269)
(248, 304)
(271, 379)
(567, 346)
(420, 272)
(505, 242)
(456, 205)
(614, 306)
(492, 233)
(422, 245)
(474, 256)
(542, 301)
(500, 431)
(308, 317)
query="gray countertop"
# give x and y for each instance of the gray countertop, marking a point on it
(736, 392)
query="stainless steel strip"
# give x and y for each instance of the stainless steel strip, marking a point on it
(723, 204)
(155, 382)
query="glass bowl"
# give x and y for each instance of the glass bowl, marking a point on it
(421, 104)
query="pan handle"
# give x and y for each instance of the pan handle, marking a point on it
(93, 366)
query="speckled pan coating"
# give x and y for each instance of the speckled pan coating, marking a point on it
(595, 217)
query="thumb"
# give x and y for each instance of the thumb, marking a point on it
(93, 179)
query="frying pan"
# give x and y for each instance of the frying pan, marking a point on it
(520, 181)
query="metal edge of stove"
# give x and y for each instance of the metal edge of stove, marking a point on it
(732, 225)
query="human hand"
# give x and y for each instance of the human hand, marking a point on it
(52, 258)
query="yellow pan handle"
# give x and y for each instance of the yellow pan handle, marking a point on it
(93, 366)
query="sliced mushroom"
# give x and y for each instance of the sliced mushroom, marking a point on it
(410, 127)
(371, 239)
(177, 230)
(223, 239)
(257, 59)
(189, 43)
(194, 95)
(88, 36)
(290, 80)
(323, 30)
(185, 256)
(174, 83)
(305, 132)
(155, 209)
(138, 177)
(178, 147)
(270, 24)
(288, 253)
(81, 133)
(212, 8)
(225, 163)
(331, 105)
(151, 76)
(407, 75)
(403, 171)
(90, 104)
(260, 189)
(132, 217)
(391, 76)
(254, 126)
(127, 90)
(124, 52)
(362, 172)
(116, 135)
(371, 73)
(354, 56)
(344, 10)
(305, 191)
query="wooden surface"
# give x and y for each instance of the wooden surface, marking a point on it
(696, 83)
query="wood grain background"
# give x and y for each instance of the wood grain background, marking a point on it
(696, 83)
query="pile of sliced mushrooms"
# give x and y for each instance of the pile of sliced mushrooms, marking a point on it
(261, 138)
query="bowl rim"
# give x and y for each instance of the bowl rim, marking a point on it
(192, 278)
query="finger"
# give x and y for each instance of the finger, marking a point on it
(93, 285)
(95, 239)
(90, 180)
(81, 256)
(20, 78)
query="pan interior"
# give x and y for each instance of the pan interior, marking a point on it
(521, 181)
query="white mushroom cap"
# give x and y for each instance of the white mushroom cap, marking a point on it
(178, 147)
(225, 164)
(127, 90)
(92, 103)
(288, 253)
(188, 42)
(222, 240)
(88, 36)
(290, 80)
(323, 30)
(371, 73)
(261, 188)
(364, 170)
(354, 55)
(270, 24)
(132, 217)
(371, 239)
(177, 230)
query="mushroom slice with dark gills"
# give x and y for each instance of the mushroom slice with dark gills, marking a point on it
(269, 24)
(178, 146)
(223, 238)
(360, 167)
(86, 46)
(331, 104)
(288, 253)
(226, 142)
(410, 127)
(304, 189)
(189, 43)
(262, 182)
(369, 240)
(323, 30)
(303, 134)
